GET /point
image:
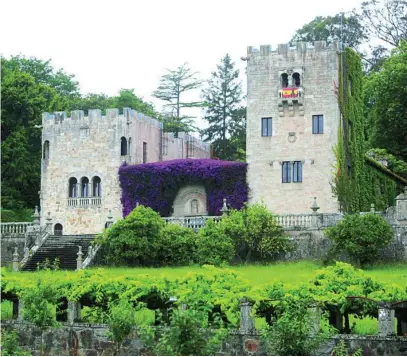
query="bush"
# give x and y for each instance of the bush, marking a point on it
(10, 344)
(134, 240)
(17, 215)
(213, 246)
(177, 245)
(360, 236)
(255, 233)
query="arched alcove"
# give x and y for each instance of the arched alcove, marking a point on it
(190, 201)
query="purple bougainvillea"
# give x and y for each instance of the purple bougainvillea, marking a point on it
(156, 185)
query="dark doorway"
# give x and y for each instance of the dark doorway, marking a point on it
(58, 229)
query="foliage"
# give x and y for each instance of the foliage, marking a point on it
(341, 350)
(399, 167)
(120, 321)
(39, 302)
(17, 215)
(386, 98)
(184, 336)
(255, 233)
(10, 344)
(386, 21)
(177, 246)
(331, 28)
(134, 240)
(213, 246)
(358, 182)
(223, 96)
(361, 236)
(156, 185)
(293, 334)
(173, 86)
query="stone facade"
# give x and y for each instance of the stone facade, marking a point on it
(81, 157)
(290, 86)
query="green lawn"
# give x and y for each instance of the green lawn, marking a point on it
(288, 273)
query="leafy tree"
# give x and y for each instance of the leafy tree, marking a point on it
(127, 98)
(331, 28)
(173, 86)
(134, 240)
(224, 114)
(399, 167)
(93, 101)
(387, 22)
(213, 246)
(386, 100)
(255, 233)
(361, 236)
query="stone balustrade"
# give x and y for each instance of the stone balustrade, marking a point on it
(195, 223)
(15, 228)
(84, 201)
(292, 221)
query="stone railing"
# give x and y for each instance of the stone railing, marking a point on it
(195, 222)
(15, 228)
(84, 201)
(293, 221)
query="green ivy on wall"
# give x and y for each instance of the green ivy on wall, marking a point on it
(359, 180)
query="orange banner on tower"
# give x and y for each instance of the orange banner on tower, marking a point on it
(290, 92)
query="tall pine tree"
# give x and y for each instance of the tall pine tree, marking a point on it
(224, 114)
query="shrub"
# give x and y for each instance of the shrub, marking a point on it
(213, 246)
(255, 233)
(360, 236)
(133, 240)
(10, 344)
(177, 245)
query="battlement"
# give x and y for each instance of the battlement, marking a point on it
(299, 47)
(96, 114)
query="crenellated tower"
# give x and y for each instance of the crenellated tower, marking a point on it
(292, 125)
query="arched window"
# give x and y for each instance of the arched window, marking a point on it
(58, 229)
(45, 152)
(296, 79)
(284, 80)
(73, 187)
(85, 187)
(123, 146)
(97, 186)
(129, 151)
(194, 206)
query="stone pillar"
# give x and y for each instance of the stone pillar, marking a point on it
(74, 311)
(315, 218)
(79, 260)
(48, 224)
(401, 206)
(20, 310)
(225, 210)
(372, 208)
(15, 260)
(315, 314)
(386, 319)
(36, 217)
(109, 221)
(246, 320)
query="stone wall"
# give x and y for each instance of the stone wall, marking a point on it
(7, 249)
(91, 340)
(292, 138)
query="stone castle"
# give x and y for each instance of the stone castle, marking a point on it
(81, 158)
(292, 126)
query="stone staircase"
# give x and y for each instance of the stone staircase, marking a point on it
(63, 247)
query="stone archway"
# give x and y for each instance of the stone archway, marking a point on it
(190, 201)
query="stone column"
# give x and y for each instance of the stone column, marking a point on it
(401, 207)
(79, 260)
(36, 217)
(246, 320)
(20, 310)
(49, 223)
(372, 208)
(315, 218)
(15, 260)
(386, 319)
(315, 314)
(74, 311)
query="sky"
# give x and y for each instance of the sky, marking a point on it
(110, 45)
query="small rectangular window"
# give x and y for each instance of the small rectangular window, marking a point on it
(266, 126)
(297, 171)
(317, 124)
(286, 172)
(144, 152)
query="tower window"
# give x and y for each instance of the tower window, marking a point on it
(296, 79)
(297, 171)
(72, 190)
(194, 206)
(96, 186)
(123, 146)
(317, 124)
(85, 187)
(266, 127)
(129, 151)
(295, 167)
(144, 152)
(284, 80)
(286, 172)
(45, 154)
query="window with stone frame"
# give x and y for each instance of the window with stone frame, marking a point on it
(297, 171)
(266, 126)
(85, 187)
(123, 146)
(296, 79)
(96, 186)
(45, 153)
(286, 177)
(144, 152)
(291, 171)
(317, 124)
(72, 187)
